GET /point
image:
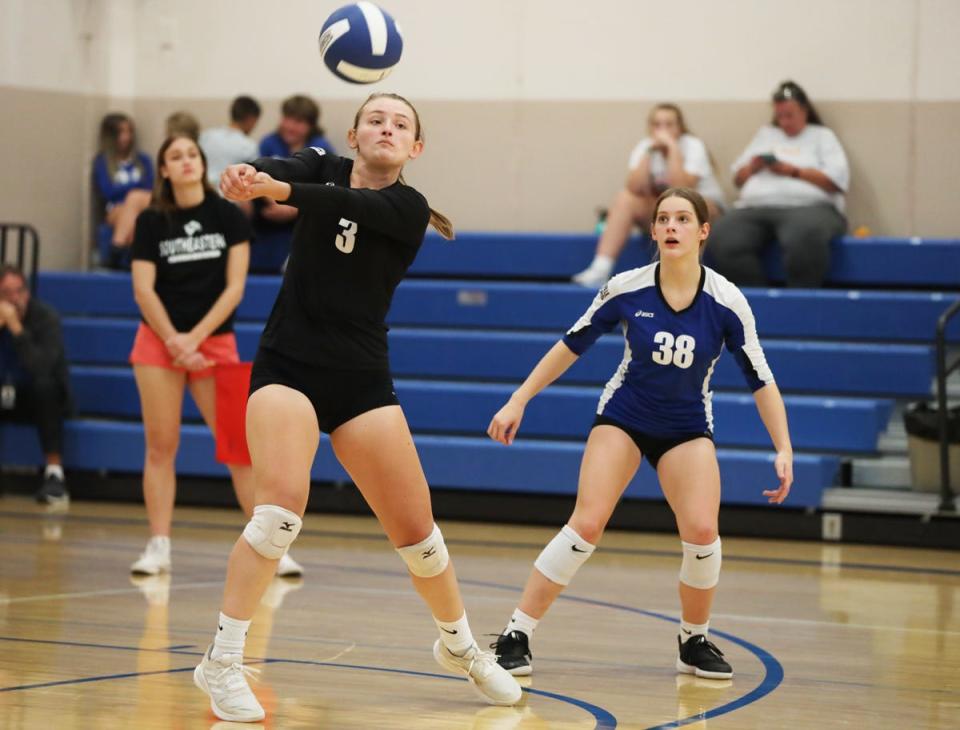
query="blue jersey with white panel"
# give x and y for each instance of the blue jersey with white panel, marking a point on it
(662, 387)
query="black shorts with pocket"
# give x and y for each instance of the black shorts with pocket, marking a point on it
(652, 447)
(337, 395)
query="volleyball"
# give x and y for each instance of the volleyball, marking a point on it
(360, 43)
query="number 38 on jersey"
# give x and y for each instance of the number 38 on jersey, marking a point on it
(676, 351)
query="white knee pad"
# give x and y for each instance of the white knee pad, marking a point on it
(701, 565)
(428, 557)
(563, 556)
(271, 530)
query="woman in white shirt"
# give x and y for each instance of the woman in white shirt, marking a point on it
(792, 178)
(669, 157)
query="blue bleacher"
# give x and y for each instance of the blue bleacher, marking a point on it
(799, 366)
(560, 412)
(855, 261)
(823, 314)
(459, 347)
(452, 462)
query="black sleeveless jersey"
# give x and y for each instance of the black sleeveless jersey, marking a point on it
(351, 247)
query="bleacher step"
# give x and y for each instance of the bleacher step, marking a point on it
(883, 473)
(896, 501)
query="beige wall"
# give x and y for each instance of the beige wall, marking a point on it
(46, 148)
(548, 165)
(530, 106)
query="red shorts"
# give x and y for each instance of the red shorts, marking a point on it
(148, 349)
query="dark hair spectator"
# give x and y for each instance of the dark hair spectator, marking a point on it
(792, 178)
(299, 128)
(232, 144)
(245, 110)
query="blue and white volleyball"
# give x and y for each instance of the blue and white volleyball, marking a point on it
(361, 43)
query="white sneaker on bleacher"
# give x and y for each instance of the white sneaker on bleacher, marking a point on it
(591, 278)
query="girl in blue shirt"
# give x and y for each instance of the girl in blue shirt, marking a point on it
(123, 176)
(676, 316)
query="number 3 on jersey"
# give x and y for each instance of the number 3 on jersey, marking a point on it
(679, 351)
(348, 238)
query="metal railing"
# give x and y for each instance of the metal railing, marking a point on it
(947, 503)
(26, 235)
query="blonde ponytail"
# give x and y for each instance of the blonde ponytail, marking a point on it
(442, 224)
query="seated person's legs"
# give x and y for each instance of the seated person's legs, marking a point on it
(805, 234)
(42, 402)
(123, 217)
(735, 243)
(626, 210)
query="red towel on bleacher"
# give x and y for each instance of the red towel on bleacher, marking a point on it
(232, 385)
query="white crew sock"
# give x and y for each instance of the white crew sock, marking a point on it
(688, 629)
(456, 635)
(522, 622)
(231, 635)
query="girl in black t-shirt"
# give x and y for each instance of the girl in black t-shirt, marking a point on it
(322, 366)
(190, 254)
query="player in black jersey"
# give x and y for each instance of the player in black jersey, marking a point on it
(322, 366)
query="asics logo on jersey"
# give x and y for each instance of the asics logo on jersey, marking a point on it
(287, 526)
(641, 313)
(192, 228)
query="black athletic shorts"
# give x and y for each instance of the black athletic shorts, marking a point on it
(652, 447)
(337, 395)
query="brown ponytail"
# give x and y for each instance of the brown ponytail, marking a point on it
(442, 224)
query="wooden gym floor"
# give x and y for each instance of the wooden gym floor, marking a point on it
(819, 636)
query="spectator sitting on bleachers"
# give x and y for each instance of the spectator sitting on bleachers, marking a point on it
(122, 175)
(33, 375)
(793, 176)
(299, 128)
(669, 157)
(232, 144)
(182, 124)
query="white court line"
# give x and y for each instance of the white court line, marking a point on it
(110, 592)
(492, 599)
(831, 624)
(338, 654)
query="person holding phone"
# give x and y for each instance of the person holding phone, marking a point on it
(792, 178)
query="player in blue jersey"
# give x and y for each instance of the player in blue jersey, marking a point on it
(676, 316)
